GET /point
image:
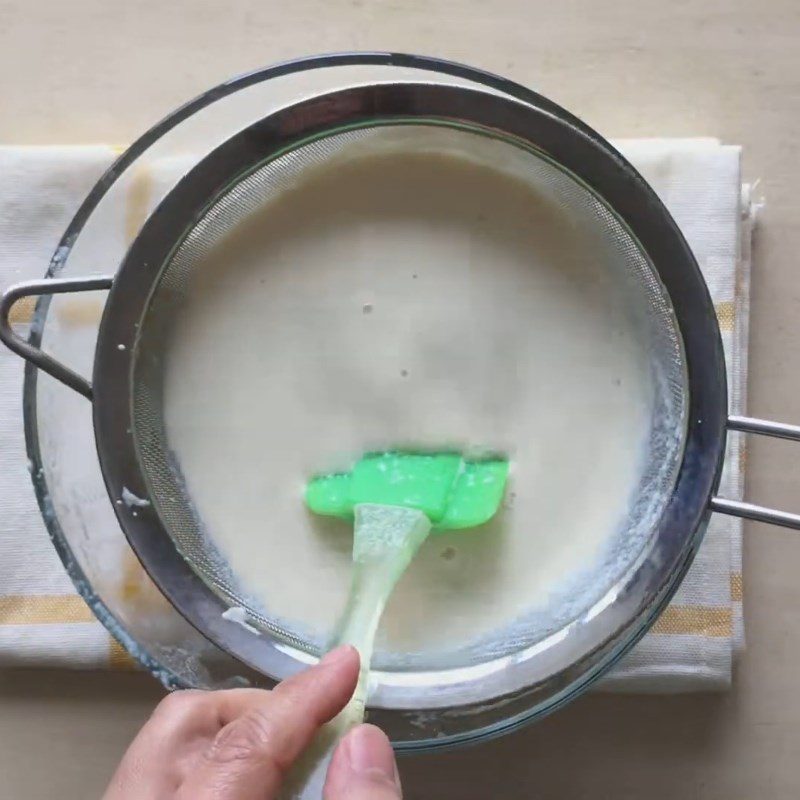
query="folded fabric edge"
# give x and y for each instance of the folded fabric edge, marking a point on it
(698, 143)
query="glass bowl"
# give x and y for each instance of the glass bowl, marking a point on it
(69, 485)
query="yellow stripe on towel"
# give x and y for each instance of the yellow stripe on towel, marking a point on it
(139, 200)
(22, 311)
(737, 587)
(726, 315)
(119, 658)
(714, 621)
(44, 609)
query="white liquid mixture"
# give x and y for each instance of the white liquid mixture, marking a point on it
(400, 300)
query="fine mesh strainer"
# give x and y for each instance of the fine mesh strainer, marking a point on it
(252, 191)
(558, 158)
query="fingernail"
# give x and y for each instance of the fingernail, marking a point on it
(337, 655)
(369, 752)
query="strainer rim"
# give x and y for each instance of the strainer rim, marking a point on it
(706, 473)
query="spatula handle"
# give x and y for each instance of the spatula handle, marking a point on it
(386, 538)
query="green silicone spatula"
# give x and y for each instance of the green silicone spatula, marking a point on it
(395, 499)
(452, 491)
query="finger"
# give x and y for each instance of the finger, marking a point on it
(235, 703)
(160, 756)
(363, 768)
(267, 731)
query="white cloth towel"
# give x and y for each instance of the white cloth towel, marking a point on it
(43, 621)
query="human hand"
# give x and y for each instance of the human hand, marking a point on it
(238, 744)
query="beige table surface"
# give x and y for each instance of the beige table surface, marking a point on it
(99, 70)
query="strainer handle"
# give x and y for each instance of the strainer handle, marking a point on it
(739, 508)
(35, 355)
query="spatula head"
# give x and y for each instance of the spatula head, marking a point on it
(453, 492)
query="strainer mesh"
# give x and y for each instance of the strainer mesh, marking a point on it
(252, 191)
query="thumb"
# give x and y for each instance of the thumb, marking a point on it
(363, 768)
